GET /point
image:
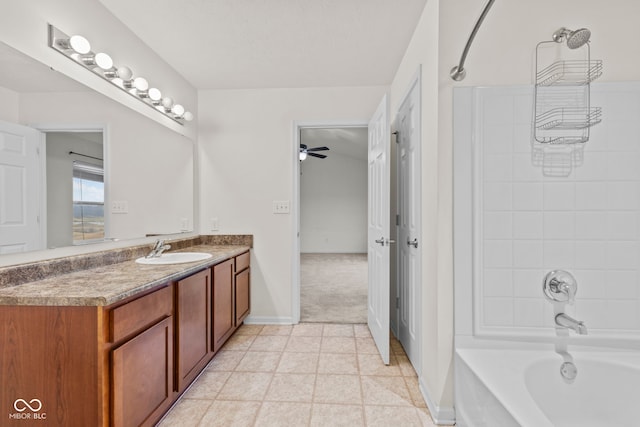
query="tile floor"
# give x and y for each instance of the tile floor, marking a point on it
(310, 374)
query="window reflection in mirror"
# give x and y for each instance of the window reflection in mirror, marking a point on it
(88, 202)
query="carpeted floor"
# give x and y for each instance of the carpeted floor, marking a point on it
(333, 288)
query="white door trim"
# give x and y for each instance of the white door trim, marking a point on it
(295, 205)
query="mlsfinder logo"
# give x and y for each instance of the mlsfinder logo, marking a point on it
(27, 410)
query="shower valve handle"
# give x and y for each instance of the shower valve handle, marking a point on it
(560, 286)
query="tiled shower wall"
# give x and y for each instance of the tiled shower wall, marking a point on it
(526, 223)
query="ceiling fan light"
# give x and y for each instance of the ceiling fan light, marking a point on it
(303, 155)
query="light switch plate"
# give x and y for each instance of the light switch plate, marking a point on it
(280, 206)
(119, 207)
(215, 224)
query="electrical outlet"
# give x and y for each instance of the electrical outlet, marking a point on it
(184, 224)
(119, 207)
(215, 224)
(281, 207)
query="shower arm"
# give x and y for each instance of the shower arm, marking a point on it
(458, 72)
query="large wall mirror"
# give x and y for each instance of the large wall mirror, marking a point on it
(77, 167)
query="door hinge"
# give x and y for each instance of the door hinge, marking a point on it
(397, 219)
(397, 302)
(397, 133)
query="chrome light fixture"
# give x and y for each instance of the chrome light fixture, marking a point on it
(78, 49)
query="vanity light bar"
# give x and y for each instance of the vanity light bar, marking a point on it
(78, 49)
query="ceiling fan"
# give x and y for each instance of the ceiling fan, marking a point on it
(305, 151)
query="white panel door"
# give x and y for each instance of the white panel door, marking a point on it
(409, 248)
(20, 192)
(378, 228)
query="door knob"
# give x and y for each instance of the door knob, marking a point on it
(384, 241)
(413, 242)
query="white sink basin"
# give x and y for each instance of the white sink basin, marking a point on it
(174, 258)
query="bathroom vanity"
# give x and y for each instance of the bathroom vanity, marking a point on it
(116, 345)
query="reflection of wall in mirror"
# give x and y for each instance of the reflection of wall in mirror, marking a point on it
(146, 164)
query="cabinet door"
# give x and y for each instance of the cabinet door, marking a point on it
(243, 297)
(142, 376)
(223, 303)
(193, 322)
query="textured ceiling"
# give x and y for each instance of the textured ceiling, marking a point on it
(225, 44)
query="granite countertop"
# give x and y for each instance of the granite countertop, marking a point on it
(105, 285)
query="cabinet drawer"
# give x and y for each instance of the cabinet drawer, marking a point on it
(242, 261)
(141, 313)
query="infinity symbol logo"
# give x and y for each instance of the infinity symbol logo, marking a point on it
(26, 405)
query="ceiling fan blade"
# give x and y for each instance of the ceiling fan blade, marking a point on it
(318, 149)
(320, 156)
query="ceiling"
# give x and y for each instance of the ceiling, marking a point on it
(229, 44)
(349, 141)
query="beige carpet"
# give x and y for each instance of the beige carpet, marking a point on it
(333, 288)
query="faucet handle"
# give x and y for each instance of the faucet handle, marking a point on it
(560, 286)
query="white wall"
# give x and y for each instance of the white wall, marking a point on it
(147, 165)
(247, 156)
(23, 26)
(333, 204)
(9, 105)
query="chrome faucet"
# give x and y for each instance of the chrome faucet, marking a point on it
(569, 322)
(158, 249)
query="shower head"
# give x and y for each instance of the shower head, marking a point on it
(575, 39)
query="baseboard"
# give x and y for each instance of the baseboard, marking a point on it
(268, 320)
(440, 414)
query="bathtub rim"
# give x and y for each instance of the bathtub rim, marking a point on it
(506, 389)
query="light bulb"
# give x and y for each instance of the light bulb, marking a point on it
(155, 94)
(303, 155)
(141, 84)
(80, 44)
(178, 110)
(103, 61)
(167, 103)
(188, 116)
(125, 73)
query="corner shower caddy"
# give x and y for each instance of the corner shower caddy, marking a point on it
(563, 113)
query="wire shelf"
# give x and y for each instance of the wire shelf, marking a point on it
(570, 72)
(563, 112)
(569, 118)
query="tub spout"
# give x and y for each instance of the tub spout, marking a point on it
(569, 322)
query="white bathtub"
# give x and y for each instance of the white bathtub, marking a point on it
(498, 387)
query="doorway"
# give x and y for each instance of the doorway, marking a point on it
(333, 223)
(75, 188)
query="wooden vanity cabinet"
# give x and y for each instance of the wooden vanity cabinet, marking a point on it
(141, 359)
(242, 288)
(223, 303)
(193, 327)
(231, 297)
(123, 364)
